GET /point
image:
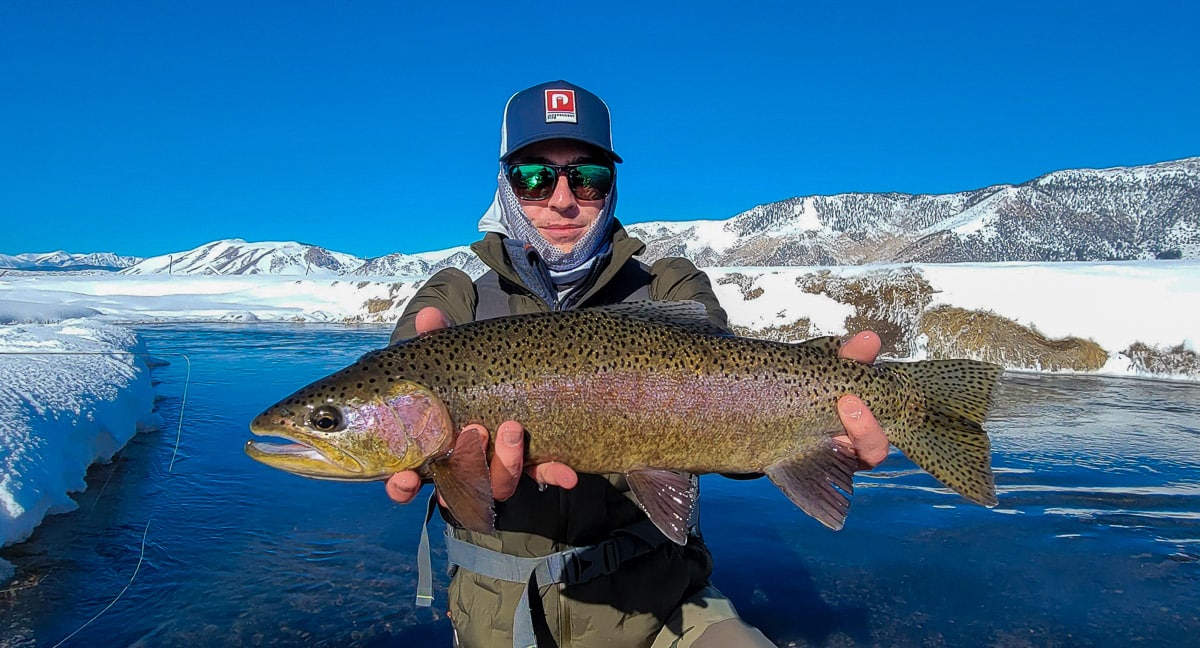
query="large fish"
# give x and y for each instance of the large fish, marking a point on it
(649, 389)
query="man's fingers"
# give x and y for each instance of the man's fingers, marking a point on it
(429, 319)
(554, 473)
(863, 347)
(863, 431)
(508, 459)
(402, 487)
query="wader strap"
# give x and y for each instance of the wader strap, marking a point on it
(424, 562)
(611, 552)
(576, 565)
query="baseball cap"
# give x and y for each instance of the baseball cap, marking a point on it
(555, 110)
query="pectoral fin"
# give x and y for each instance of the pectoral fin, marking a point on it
(819, 483)
(462, 480)
(668, 498)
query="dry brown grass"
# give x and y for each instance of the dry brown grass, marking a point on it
(889, 302)
(376, 306)
(1175, 361)
(958, 333)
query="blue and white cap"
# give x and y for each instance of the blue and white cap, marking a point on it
(555, 110)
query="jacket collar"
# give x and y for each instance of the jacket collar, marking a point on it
(491, 250)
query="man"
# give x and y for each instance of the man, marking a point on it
(552, 243)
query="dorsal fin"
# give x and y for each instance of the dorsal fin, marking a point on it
(829, 343)
(691, 316)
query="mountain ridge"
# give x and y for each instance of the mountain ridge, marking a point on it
(62, 260)
(1117, 213)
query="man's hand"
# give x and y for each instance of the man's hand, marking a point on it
(508, 458)
(863, 434)
(507, 463)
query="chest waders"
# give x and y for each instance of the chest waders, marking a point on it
(569, 566)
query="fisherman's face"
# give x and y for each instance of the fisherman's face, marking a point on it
(562, 219)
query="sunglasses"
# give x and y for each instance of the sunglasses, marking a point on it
(533, 181)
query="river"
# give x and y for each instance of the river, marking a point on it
(1096, 540)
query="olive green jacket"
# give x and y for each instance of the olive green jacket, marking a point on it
(629, 606)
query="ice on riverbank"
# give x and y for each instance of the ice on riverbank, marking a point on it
(72, 394)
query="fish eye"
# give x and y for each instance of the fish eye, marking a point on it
(327, 418)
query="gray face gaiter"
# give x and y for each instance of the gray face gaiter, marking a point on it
(517, 225)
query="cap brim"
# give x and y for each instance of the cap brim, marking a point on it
(542, 138)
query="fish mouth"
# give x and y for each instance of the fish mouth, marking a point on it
(303, 455)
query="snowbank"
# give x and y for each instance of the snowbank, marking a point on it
(71, 394)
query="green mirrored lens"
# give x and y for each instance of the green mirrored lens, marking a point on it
(590, 181)
(531, 181)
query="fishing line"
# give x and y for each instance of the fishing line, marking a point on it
(103, 488)
(170, 468)
(141, 556)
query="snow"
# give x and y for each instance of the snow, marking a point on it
(1187, 168)
(1113, 304)
(157, 297)
(71, 393)
(975, 218)
(786, 304)
(694, 235)
(718, 234)
(62, 259)
(435, 256)
(75, 385)
(236, 256)
(808, 216)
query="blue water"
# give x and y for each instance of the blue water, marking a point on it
(1096, 541)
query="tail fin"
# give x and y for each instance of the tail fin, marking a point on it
(950, 442)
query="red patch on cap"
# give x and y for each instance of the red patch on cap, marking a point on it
(560, 106)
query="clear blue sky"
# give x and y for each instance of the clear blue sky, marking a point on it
(145, 128)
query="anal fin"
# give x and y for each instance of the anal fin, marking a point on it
(463, 481)
(668, 498)
(819, 483)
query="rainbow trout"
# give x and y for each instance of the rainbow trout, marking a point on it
(652, 390)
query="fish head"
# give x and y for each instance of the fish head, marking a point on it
(346, 428)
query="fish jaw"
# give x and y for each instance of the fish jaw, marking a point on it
(372, 439)
(306, 456)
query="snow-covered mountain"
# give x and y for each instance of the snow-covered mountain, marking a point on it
(237, 257)
(1142, 212)
(423, 264)
(61, 260)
